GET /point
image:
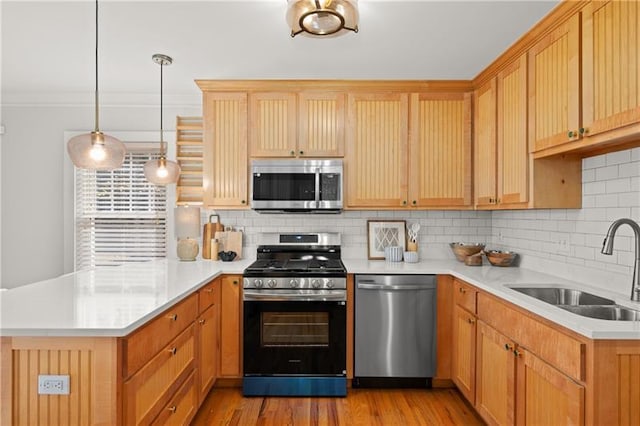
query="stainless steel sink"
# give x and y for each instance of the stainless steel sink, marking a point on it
(608, 312)
(563, 296)
(581, 303)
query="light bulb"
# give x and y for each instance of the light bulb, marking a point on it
(162, 172)
(97, 152)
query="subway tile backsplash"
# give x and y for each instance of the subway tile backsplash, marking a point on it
(565, 242)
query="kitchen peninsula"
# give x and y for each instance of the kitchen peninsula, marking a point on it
(116, 330)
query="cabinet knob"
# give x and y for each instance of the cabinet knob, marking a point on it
(173, 317)
(583, 131)
(173, 350)
(301, 152)
(508, 347)
(208, 290)
(462, 290)
(404, 202)
(572, 134)
(517, 353)
(173, 409)
(201, 322)
(414, 202)
(292, 152)
(235, 282)
(498, 201)
(471, 321)
(243, 201)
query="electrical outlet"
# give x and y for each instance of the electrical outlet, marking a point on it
(563, 246)
(53, 384)
(500, 236)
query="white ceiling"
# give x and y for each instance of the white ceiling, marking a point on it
(48, 47)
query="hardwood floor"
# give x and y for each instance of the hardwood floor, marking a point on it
(227, 406)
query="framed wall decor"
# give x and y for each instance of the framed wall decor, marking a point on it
(384, 233)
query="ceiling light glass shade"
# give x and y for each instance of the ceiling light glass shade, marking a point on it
(322, 18)
(161, 171)
(96, 151)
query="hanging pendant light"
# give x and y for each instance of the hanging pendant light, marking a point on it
(161, 171)
(95, 150)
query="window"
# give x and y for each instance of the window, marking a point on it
(119, 216)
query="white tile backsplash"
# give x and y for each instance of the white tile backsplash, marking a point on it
(565, 242)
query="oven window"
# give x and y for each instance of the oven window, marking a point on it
(294, 329)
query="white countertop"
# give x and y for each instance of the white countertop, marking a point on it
(115, 301)
(106, 301)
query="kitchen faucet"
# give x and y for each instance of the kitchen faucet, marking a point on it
(607, 248)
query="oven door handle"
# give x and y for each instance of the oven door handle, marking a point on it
(249, 296)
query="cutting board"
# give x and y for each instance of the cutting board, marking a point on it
(230, 241)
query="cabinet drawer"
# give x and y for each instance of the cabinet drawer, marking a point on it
(182, 407)
(143, 344)
(553, 346)
(208, 295)
(151, 388)
(465, 295)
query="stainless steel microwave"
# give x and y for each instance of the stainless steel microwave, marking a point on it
(295, 185)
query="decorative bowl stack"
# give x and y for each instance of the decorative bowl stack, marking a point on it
(464, 250)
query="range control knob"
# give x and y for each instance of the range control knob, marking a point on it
(315, 283)
(329, 283)
(258, 283)
(271, 283)
(293, 283)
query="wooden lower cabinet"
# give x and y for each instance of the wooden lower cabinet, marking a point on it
(207, 326)
(182, 407)
(231, 326)
(495, 376)
(464, 352)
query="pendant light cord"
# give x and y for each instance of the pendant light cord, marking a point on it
(161, 103)
(97, 119)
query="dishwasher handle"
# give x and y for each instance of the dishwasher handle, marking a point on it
(371, 285)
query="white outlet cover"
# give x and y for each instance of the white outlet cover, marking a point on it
(53, 384)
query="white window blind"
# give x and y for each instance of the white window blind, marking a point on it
(120, 216)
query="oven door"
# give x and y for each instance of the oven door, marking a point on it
(294, 337)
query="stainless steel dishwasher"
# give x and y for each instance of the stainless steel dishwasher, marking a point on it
(395, 330)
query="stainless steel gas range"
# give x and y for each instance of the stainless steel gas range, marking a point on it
(294, 298)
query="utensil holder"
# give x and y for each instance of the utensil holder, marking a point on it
(393, 254)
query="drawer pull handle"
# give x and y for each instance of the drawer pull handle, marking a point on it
(173, 409)
(201, 321)
(173, 317)
(173, 351)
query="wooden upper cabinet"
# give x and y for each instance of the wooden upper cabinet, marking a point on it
(376, 158)
(485, 144)
(272, 124)
(321, 124)
(554, 83)
(440, 150)
(225, 169)
(611, 65)
(513, 153)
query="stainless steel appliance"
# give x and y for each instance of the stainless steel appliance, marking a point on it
(304, 186)
(294, 307)
(395, 328)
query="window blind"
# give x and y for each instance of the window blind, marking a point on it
(120, 216)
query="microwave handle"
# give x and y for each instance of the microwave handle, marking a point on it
(317, 191)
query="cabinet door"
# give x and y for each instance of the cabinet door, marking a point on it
(554, 97)
(611, 65)
(485, 145)
(225, 172)
(230, 327)
(272, 118)
(544, 395)
(464, 352)
(321, 124)
(208, 349)
(495, 376)
(440, 150)
(376, 163)
(513, 154)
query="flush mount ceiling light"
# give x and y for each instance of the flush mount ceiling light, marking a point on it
(322, 18)
(161, 171)
(96, 150)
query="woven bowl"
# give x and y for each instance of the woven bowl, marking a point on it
(501, 258)
(464, 250)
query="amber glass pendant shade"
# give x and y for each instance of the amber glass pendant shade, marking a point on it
(162, 171)
(322, 18)
(95, 150)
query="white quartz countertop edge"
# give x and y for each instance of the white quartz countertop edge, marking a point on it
(113, 302)
(497, 280)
